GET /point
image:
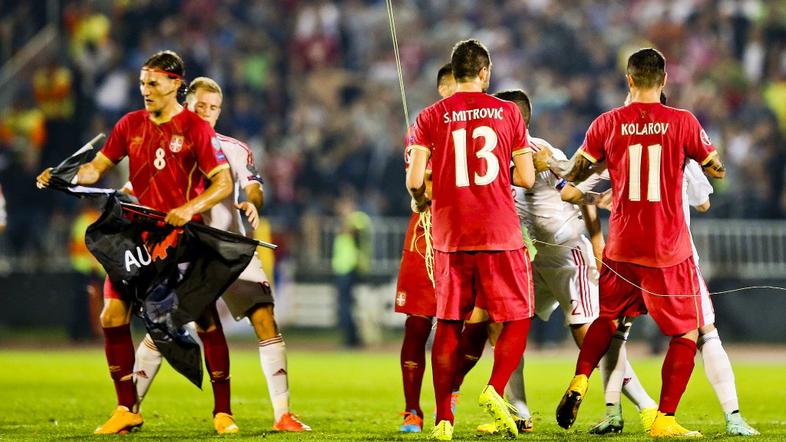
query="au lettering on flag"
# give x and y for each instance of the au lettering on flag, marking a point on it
(170, 274)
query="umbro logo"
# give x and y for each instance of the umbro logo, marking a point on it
(280, 372)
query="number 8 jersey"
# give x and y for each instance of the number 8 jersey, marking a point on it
(472, 138)
(166, 162)
(646, 146)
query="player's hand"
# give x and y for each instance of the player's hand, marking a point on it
(43, 179)
(251, 213)
(179, 216)
(419, 207)
(541, 160)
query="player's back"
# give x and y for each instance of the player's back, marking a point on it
(472, 137)
(646, 146)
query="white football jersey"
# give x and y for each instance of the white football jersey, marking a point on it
(224, 215)
(547, 217)
(696, 190)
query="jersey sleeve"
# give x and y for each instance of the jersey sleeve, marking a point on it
(520, 139)
(421, 133)
(116, 147)
(596, 182)
(697, 144)
(592, 148)
(699, 187)
(207, 148)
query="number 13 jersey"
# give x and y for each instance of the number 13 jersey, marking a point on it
(472, 138)
(646, 146)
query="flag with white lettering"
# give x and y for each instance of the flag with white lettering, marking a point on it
(170, 274)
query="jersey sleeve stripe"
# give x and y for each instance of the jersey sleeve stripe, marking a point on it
(591, 159)
(709, 158)
(420, 148)
(522, 151)
(217, 169)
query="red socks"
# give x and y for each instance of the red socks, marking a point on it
(471, 345)
(675, 374)
(119, 350)
(217, 361)
(413, 360)
(443, 365)
(596, 344)
(507, 353)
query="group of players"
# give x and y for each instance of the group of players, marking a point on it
(464, 155)
(180, 166)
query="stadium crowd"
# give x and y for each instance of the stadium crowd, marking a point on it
(311, 86)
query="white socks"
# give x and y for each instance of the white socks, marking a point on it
(273, 358)
(148, 361)
(516, 393)
(618, 375)
(718, 369)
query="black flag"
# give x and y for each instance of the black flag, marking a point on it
(171, 274)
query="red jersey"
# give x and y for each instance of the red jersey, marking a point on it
(472, 138)
(167, 162)
(646, 146)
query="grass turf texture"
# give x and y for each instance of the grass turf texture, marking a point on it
(65, 394)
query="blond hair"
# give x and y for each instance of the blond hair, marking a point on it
(204, 83)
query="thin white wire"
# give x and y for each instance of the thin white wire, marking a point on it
(752, 287)
(399, 70)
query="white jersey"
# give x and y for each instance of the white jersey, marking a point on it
(546, 216)
(696, 190)
(224, 215)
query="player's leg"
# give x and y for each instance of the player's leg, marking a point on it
(505, 286)
(471, 344)
(148, 362)
(413, 365)
(119, 349)
(217, 360)
(678, 317)
(717, 367)
(453, 273)
(615, 299)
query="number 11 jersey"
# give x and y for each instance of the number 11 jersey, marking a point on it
(472, 138)
(646, 146)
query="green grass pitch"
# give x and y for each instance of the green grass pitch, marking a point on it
(65, 394)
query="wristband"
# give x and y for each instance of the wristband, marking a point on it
(561, 184)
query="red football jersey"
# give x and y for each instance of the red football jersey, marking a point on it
(646, 146)
(472, 138)
(168, 162)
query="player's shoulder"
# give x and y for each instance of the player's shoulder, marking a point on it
(232, 143)
(540, 144)
(136, 117)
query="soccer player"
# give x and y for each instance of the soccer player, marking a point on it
(171, 151)
(564, 269)
(250, 296)
(648, 264)
(480, 257)
(415, 296)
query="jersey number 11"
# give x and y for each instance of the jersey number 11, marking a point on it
(634, 172)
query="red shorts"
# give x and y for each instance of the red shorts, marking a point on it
(500, 282)
(110, 292)
(676, 314)
(415, 292)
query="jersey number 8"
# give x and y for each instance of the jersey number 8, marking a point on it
(489, 144)
(160, 161)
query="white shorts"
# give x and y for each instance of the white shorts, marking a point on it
(707, 309)
(250, 289)
(568, 278)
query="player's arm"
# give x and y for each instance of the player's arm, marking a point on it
(592, 222)
(255, 199)
(88, 173)
(713, 167)
(416, 176)
(703, 207)
(220, 188)
(524, 170)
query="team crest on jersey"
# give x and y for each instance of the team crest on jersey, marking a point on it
(401, 299)
(176, 143)
(705, 138)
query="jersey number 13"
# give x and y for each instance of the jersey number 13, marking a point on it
(485, 153)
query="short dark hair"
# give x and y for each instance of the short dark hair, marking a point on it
(647, 67)
(521, 99)
(443, 72)
(468, 58)
(168, 62)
